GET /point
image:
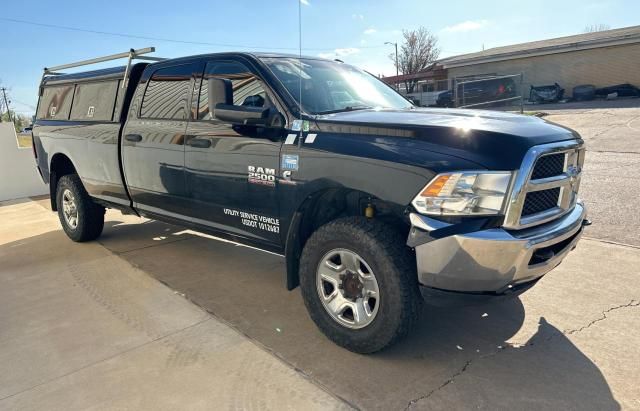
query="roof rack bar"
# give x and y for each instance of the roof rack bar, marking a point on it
(128, 54)
(150, 58)
(125, 80)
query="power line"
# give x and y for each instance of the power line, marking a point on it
(164, 39)
(23, 104)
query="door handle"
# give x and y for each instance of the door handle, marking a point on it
(136, 138)
(199, 142)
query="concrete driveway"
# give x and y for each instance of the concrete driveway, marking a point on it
(571, 342)
(81, 328)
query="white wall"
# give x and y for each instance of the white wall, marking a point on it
(426, 98)
(605, 66)
(18, 174)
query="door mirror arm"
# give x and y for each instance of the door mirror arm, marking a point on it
(252, 121)
(248, 116)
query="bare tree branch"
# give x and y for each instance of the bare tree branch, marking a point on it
(597, 27)
(418, 51)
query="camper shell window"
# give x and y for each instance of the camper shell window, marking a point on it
(55, 102)
(95, 101)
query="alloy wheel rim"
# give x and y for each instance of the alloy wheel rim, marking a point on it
(347, 288)
(69, 209)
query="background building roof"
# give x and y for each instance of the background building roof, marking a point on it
(434, 72)
(604, 38)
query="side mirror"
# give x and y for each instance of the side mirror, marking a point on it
(244, 115)
(241, 115)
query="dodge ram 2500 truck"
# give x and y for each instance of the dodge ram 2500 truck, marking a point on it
(369, 199)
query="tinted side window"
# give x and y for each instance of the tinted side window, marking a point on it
(55, 102)
(247, 89)
(167, 93)
(94, 101)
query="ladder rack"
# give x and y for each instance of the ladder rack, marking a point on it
(130, 55)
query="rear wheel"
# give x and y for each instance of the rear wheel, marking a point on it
(81, 218)
(359, 284)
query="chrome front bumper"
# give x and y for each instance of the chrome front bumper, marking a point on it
(492, 260)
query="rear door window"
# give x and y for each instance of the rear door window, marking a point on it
(94, 101)
(167, 93)
(55, 102)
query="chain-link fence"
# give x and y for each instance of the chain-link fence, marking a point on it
(490, 92)
(426, 92)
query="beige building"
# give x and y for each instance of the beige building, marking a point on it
(602, 58)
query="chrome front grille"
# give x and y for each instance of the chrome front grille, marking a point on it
(539, 201)
(546, 186)
(548, 166)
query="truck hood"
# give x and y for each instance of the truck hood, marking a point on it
(492, 139)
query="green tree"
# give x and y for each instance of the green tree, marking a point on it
(20, 121)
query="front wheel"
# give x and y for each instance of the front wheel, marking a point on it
(359, 284)
(81, 218)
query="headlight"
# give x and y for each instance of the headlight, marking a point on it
(464, 193)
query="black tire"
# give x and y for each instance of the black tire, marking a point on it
(392, 262)
(90, 216)
(584, 92)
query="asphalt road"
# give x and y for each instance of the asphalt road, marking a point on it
(610, 184)
(571, 342)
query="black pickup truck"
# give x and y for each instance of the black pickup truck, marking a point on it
(370, 199)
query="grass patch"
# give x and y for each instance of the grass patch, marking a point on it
(535, 113)
(24, 140)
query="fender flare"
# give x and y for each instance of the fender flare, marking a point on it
(54, 177)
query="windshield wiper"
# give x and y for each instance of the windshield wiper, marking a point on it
(348, 108)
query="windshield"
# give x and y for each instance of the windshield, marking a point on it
(330, 87)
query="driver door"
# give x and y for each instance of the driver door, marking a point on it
(230, 169)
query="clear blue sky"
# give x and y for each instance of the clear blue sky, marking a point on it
(353, 30)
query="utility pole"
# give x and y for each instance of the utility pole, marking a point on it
(397, 81)
(6, 103)
(1, 111)
(397, 71)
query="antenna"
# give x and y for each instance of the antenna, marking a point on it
(300, 68)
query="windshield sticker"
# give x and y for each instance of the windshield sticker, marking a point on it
(290, 162)
(305, 126)
(260, 222)
(291, 139)
(262, 175)
(297, 125)
(310, 138)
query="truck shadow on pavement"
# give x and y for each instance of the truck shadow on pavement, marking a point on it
(457, 358)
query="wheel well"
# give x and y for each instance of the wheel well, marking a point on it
(60, 166)
(324, 207)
